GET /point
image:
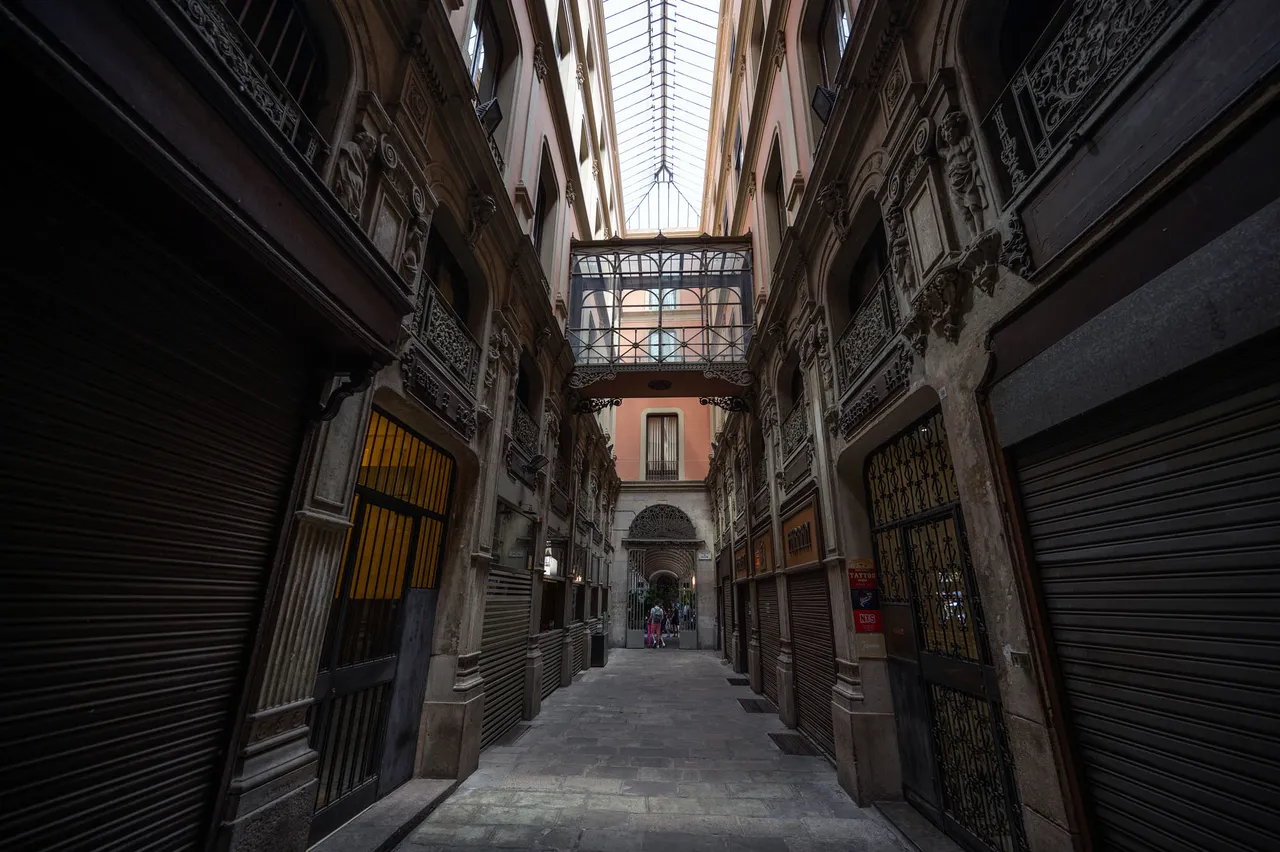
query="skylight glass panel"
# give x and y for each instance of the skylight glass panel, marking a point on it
(661, 60)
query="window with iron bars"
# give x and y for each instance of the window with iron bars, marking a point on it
(662, 436)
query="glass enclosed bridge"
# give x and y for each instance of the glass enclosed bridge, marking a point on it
(661, 317)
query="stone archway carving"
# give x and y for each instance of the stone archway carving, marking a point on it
(662, 521)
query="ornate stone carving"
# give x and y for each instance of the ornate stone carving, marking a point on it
(581, 74)
(595, 168)
(894, 86)
(570, 194)
(445, 333)
(352, 172)
(661, 521)
(960, 164)
(834, 203)
(900, 250)
(733, 375)
(588, 375)
(539, 62)
(728, 403)
(780, 50)
(424, 386)
(1015, 255)
(414, 245)
(482, 208)
(1009, 152)
(751, 184)
(523, 430)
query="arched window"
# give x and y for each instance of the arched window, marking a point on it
(282, 32)
(998, 37)
(872, 261)
(442, 269)
(545, 203)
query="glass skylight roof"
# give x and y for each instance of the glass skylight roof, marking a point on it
(661, 58)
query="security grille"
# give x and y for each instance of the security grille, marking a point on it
(770, 635)
(954, 752)
(507, 603)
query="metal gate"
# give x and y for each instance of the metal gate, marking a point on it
(955, 755)
(1155, 527)
(814, 654)
(770, 635)
(398, 530)
(507, 608)
(637, 591)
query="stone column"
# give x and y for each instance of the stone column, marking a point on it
(754, 661)
(273, 788)
(532, 679)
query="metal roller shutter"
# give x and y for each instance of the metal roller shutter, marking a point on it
(726, 617)
(577, 635)
(1156, 539)
(552, 644)
(153, 428)
(507, 604)
(770, 636)
(815, 656)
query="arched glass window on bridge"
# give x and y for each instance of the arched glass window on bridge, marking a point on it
(667, 303)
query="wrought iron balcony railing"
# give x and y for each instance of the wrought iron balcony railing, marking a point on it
(760, 475)
(446, 336)
(1088, 47)
(795, 428)
(661, 470)
(524, 431)
(660, 345)
(678, 302)
(867, 334)
(223, 41)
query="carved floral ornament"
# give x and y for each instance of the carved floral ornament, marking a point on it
(539, 62)
(834, 202)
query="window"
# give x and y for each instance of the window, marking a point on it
(726, 219)
(442, 269)
(283, 35)
(539, 215)
(737, 149)
(484, 51)
(833, 37)
(662, 440)
(663, 344)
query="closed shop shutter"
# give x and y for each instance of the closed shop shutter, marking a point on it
(815, 656)
(507, 604)
(726, 617)
(1155, 536)
(578, 633)
(770, 636)
(152, 430)
(552, 644)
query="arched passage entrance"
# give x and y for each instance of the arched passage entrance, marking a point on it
(662, 547)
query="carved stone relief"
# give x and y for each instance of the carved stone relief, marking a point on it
(352, 173)
(960, 164)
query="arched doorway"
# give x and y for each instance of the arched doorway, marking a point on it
(662, 557)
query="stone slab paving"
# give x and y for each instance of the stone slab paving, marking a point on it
(652, 753)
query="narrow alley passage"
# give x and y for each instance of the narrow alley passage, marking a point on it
(652, 752)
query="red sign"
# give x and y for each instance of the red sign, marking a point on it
(866, 621)
(862, 578)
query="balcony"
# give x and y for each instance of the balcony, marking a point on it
(661, 470)
(661, 317)
(867, 334)
(442, 364)
(1084, 53)
(218, 36)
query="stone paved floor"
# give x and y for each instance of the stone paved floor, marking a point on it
(652, 752)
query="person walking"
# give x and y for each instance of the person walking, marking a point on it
(655, 626)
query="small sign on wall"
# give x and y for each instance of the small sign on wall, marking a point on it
(864, 594)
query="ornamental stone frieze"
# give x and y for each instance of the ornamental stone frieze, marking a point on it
(941, 303)
(481, 208)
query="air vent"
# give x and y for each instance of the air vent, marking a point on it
(794, 744)
(755, 705)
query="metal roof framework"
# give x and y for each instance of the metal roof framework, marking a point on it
(661, 64)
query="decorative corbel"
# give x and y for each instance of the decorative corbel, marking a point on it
(780, 50)
(539, 62)
(482, 207)
(834, 203)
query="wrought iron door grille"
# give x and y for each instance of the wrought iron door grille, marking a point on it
(972, 775)
(395, 543)
(922, 560)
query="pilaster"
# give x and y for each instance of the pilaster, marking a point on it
(533, 667)
(786, 683)
(272, 791)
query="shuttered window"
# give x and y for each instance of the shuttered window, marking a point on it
(662, 438)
